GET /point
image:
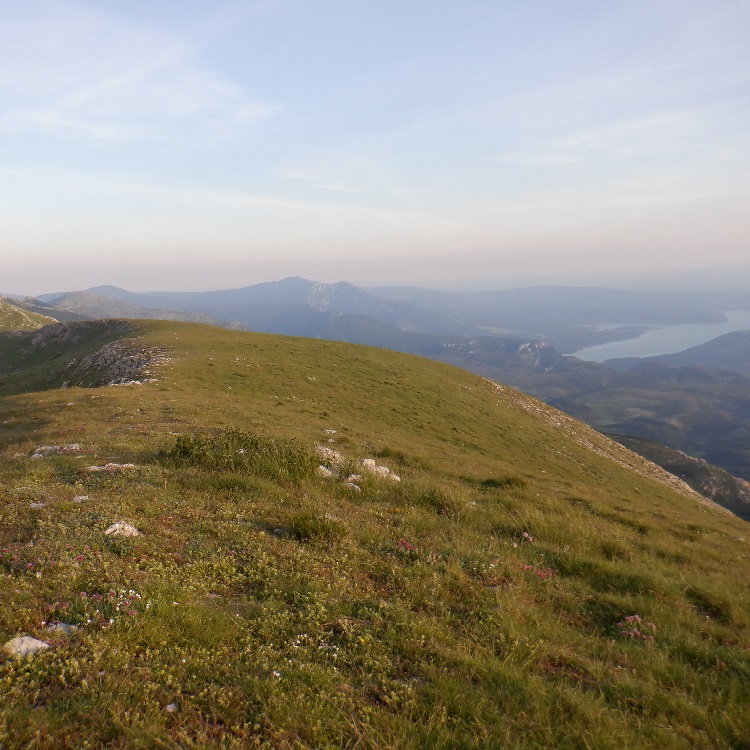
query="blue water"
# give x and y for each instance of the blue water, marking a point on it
(666, 339)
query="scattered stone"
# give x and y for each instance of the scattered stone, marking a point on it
(80, 498)
(353, 486)
(330, 432)
(19, 455)
(325, 472)
(111, 467)
(46, 450)
(368, 464)
(172, 708)
(62, 627)
(71, 448)
(330, 456)
(24, 646)
(120, 528)
(37, 506)
(354, 478)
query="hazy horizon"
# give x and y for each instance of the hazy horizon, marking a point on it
(184, 146)
(729, 279)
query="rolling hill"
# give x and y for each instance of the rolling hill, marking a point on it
(524, 583)
(729, 352)
(694, 409)
(14, 317)
(256, 307)
(94, 306)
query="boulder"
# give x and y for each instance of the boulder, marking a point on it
(120, 528)
(24, 646)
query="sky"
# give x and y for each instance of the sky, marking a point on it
(193, 145)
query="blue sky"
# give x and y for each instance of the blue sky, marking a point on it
(196, 145)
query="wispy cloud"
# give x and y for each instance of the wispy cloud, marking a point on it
(660, 134)
(94, 73)
(320, 179)
(670, 131)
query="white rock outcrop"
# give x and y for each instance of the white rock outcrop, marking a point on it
(24, 645)
(120, 528)
(330, 456)
(111, 467)
(383, 472)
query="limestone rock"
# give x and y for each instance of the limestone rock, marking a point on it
(383, 472)
(24, 646)
(64, 628)
(121, 528)
(110, 467)
(330, 456)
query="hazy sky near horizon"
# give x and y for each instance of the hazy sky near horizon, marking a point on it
(187, 145)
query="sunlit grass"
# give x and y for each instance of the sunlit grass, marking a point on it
(479, 602)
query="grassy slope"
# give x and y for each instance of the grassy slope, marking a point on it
(13, 318)
(416, 615)
(711, 481)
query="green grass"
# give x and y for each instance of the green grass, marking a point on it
(476, 603)
(14, 318)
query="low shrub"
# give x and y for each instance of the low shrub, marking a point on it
(243, 452)
(307, 526)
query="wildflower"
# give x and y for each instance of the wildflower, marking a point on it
(84, 595)
(132, 612)
(403, 544)
(79, 558)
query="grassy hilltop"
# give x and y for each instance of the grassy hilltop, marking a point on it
(14, 318)
(526, 584)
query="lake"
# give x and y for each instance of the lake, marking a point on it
(666, 339)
